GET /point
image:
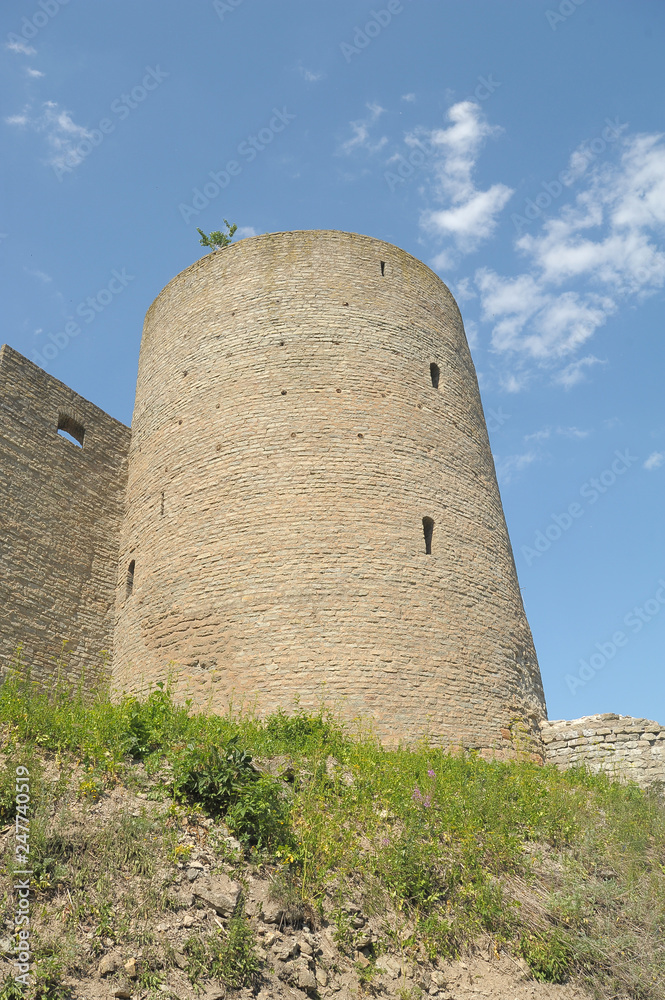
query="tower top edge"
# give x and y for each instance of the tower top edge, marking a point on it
(303, 234)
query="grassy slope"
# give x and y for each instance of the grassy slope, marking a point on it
(565, 869)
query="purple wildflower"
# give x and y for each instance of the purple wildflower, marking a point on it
(432, 773)
(427, 801)
(417, 795)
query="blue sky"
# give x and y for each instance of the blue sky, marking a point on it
(514, 145)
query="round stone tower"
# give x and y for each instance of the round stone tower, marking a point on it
(312, 508)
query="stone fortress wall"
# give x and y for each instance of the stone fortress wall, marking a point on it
(307, 414)
(60, 514)
(619, 745)
(306, 509)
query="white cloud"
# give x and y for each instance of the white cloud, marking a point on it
(529, 318)
(610, 238)
(548, 432)
(471, 330)
(509, 303)
(510, 382)
(472, 221)
(33, 72)
(469, 215)
(654, 461)
(510, 467)
(464, 290)
(309, 75)
(539, 436)
(464, 215)
(574, 373)
(624, 205)
(62, 134)
(507, 469)
(375, 109)
(361, 133)
(573, 432)
(20, 47)
(245, 231)
(444, 260)
(46, 279)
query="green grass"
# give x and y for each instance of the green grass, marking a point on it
(451, 846)
(230, 958)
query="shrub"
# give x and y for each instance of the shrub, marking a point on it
(549, 956)
(238, 963)
(231, 958)
(212, 777)
(260, 814)
(300, 731)
(224, 782)
(150, 724)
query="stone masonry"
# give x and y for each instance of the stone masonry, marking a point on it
(60, 515)
(305, 511)
(311, 511)
(616, 744)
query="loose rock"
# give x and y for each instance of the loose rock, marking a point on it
(109, 964)
(219, 892)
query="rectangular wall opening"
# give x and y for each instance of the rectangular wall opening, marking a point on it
(428, 531)
(71, 429)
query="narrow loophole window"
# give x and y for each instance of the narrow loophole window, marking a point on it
(428, 531)
(71, 429)
(130, 578)
(383, 268)
(161, 508)
(434, 374)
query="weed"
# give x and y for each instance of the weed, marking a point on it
(286, 891)
(203, 774)
(238, 964)
(436, 839)
(196, 951)
(259, 815)
(229, 956)
(549, 956)
(343, 933)
(366, 972)
(299, 731)
(224, 783)
(47, 981)
(11, 990)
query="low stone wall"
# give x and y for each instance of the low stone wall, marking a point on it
(632, 749)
